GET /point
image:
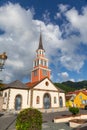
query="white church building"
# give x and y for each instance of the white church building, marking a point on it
(40, 93)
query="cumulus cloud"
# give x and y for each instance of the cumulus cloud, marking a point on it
(57, 16)
(63, 8)
(21, 37)
(64, 76)
(78, 21)
(46, 17)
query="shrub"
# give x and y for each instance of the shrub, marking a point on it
(74, 110)
(29, 119)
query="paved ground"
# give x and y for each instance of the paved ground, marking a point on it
(48, 121)
(7, 121)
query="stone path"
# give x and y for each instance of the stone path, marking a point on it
(58, 126)
(7, 121)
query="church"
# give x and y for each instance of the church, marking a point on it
(40, 93)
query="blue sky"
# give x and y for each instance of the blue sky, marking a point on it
(64, 30)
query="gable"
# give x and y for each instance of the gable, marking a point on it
(46, 84)
(81, 95)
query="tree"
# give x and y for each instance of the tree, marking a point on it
(29, 119)
(74, 110)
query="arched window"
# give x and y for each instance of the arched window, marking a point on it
(61, 101)
(37, 100)
(55, 100)
(18, 102)
(47, 101)
(5, 94)
(5, 97)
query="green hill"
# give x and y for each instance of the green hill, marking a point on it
(72, 86)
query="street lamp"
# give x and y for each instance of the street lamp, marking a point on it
(3, 58)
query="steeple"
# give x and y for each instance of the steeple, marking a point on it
(40, 64)
(40, 43)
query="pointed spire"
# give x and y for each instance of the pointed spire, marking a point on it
(40, 43)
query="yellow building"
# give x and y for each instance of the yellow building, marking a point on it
(81, 99)
(77, 98)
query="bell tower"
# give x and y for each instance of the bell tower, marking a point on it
(40, 64)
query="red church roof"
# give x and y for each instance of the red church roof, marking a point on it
(30, 84)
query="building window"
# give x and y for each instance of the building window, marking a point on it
(40, 52)
(61, 101)
(18, 102)
(37, 100)
(83, 101)
(35, 63)
(5, 98)
(45, 63)
(80, 96)
(47, 83)
(41, 62)
(35, 72)
(44, 72)
(54, 100)
(47, 101)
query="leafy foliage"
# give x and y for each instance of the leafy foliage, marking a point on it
(64, 87)
(74, 110)
(71, 86)
(1, 84)
(29, 119)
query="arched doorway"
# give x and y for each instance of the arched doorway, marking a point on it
(60, 101)
(18, 102)
(47, 101)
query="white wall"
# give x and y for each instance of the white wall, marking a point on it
(42, 85)
(41, 95)
(38, 90)
(63, 97)
(14, 93)
(5, 99)
(42, 89)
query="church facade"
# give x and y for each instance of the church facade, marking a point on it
(40, 93)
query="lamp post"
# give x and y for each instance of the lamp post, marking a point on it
(3, 58)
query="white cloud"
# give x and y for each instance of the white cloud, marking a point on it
(63, 8)
(46, 17)
(63, 76)
(21, 39)
(57, 16)
(71, 62)
(73, 80)
(78, 21)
